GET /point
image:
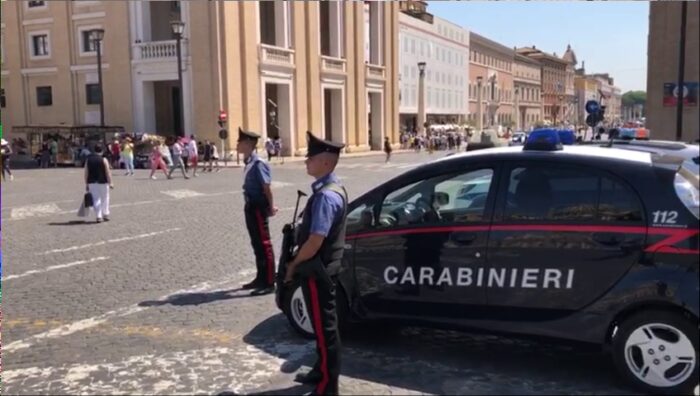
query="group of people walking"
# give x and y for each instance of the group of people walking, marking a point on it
(183, 154)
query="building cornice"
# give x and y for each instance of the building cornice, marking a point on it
(41, 21)
(91, 67)
(91, 15)
(38, 70)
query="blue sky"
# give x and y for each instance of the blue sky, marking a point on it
(610, 36)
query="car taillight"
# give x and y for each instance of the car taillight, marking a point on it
(688, 194)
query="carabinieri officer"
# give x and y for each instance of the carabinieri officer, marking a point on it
(321, 239)
(258, 208)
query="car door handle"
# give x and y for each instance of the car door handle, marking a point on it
(464, 237)
(606, 238)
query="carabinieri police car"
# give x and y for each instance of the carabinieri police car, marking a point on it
(585, 243)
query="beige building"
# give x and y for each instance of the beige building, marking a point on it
(279, 68)
(493, 63)
(662, 70)
(527, 80)
(557, 84)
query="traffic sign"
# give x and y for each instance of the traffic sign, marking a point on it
(592, 106)
(223, 134)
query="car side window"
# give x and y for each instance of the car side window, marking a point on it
(618, 203)
(450, 198)
(462, 198)
(545, 193)
(360, 219)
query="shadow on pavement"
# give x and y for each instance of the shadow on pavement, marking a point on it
(448, 362)
(70, 223)
(197, 298)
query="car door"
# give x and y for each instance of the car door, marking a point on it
(563, 234)
(422, 243)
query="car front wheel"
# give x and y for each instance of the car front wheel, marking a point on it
(658, 351)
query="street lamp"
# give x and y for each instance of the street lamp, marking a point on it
(558, 107)
(97, 36)
(480, 121)
(178, 28)
(421, 96)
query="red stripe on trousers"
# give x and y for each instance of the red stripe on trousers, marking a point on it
(316, 309)
(267, 246)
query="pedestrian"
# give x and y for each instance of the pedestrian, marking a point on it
(177, 150)
(185, 156)
(127, 153)
(387, 149)
(45, 156)
(5, 153)
(157, 161)
(270, 148)
(277, 143)
(206, 151)
(53, 151)
(98, 181)
(116, 151)
(193, 155)
(321, 241)
(259, 206)
(214, 157)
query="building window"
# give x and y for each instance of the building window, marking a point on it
(36, 4)
(40, 45)
(87, 43)
(2, 97)
(44, 96)
(92, 94)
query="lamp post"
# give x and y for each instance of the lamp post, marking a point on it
(479, 110)
(178, 28)
(558, 108)
(97, 36)
(421, 97)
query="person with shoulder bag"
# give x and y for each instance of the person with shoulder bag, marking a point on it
(98, 182)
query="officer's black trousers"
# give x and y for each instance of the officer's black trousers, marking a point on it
(319, 295)
(256, 220)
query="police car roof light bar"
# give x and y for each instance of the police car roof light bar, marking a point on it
(567, 136)
(543, 140)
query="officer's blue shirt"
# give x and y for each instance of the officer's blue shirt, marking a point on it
(256, 174)
(327, 206)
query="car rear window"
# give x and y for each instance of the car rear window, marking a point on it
(569, 194)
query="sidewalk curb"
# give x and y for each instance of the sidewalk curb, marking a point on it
(232, 164)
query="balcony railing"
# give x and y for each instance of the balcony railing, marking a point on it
(272, 55)
(332, 65)
(158, 49)
(375, 72)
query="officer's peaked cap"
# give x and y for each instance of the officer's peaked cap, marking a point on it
(247, 135)
(317, 146)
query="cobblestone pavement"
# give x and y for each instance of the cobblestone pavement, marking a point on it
(149, 302)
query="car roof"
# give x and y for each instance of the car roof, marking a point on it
(593, 152)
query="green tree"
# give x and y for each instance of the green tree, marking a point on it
(634, 98)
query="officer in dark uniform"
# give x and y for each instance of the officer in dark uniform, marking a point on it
(321, 241)
(258, 208)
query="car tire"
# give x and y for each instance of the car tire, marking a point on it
(294, 307)
(657, 351)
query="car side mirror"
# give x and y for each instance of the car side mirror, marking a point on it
(441, 198)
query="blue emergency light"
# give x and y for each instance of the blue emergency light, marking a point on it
(543, 140)
(567, 136)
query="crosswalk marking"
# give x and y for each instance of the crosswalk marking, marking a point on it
(24, 212)
(179, 194)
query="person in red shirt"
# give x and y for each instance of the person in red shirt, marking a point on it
(116, 151)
